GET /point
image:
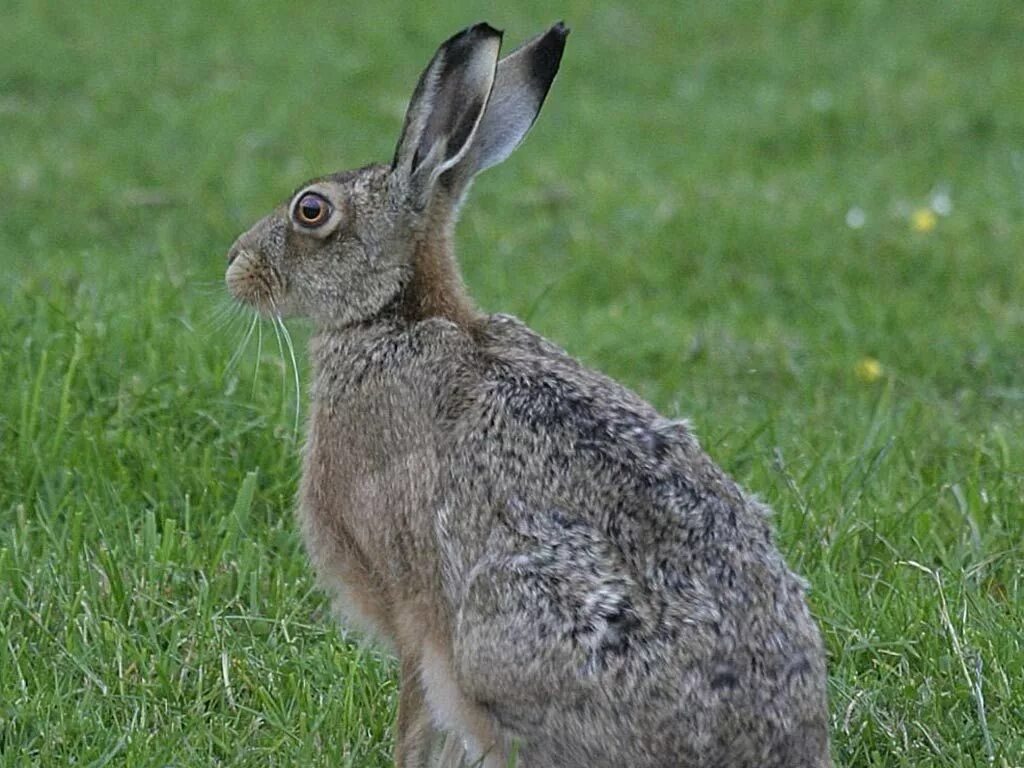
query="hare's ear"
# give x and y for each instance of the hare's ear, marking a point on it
(520, 86)
(446, 108)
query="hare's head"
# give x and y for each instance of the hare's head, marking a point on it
(351, 246)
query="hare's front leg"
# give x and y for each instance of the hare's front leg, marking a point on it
(414, 733)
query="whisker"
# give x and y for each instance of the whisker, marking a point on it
(241, 347)
(259, 354)
(223, 305)
(233, 326)
(280, 351)
(216, 288)
(221, 316)
(295, 370)
(221, 319)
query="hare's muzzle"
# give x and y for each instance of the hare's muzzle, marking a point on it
(240, 277)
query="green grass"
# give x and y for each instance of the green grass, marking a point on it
(677, 218)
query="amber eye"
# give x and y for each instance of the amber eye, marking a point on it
(312, 210)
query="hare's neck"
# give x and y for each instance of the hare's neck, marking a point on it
(436, 288)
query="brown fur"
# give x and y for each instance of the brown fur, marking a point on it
(561, 572)
(436, 288)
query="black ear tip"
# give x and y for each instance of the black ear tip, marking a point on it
(472, 35)
(483, 29)
(548, 52)
(554, 41)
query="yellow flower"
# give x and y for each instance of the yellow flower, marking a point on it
(868, 370)
(923, 220)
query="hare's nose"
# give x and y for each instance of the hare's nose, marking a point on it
(233, 253)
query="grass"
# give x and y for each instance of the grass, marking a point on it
(678, 218)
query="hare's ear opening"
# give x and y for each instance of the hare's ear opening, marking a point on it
(521, 84)
(446, 108)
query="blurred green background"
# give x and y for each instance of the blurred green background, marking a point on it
(798, 224)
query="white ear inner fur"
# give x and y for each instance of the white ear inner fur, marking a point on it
(323, 230)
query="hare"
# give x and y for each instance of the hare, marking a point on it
(565, 577)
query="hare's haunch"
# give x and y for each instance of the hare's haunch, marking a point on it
(564, 575)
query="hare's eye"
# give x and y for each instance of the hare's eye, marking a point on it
(312, 210)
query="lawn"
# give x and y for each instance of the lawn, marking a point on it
(798, 224)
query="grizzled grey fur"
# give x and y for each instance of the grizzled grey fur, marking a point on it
(564, 575)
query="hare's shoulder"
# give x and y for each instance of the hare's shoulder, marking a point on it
(520, 356)
(532, 383)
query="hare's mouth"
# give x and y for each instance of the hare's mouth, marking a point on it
(252, 282)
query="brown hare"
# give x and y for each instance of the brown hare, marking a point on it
(564, 575)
